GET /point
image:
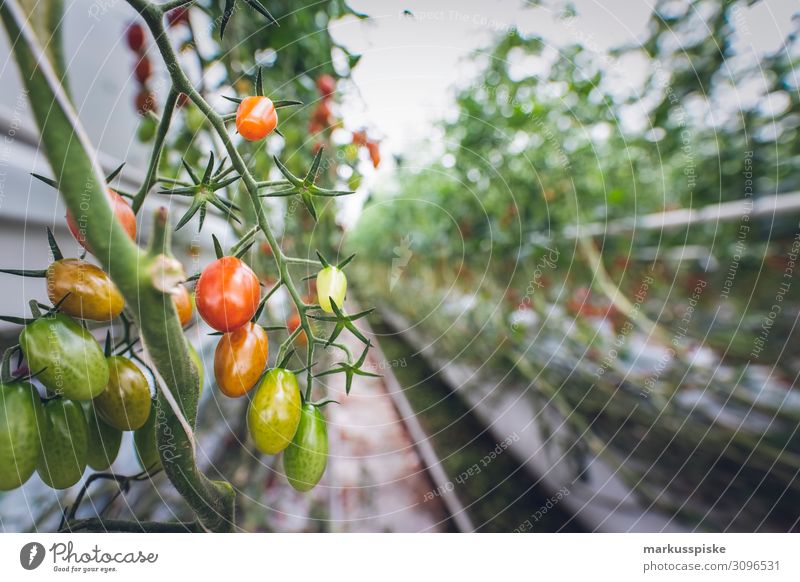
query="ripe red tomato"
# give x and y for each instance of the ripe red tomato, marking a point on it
(322, 114)
(326, 85)
(178, 16)
(256, 118)
(143, 70)
(240, 358)
(227, 294)
(145, 101)
(135, 37)
(122, 210)
(183, 304)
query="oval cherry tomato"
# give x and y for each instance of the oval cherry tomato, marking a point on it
(67, 358)
(64, 445)
(227, 294)
(183, 304)
(145, 101)
(256, 118)
(305, 459)
(135, 37)
(322, 114)
(92, 293)
(104, 441)
(331, 284)
(144, 441)
(143, 70)
(178, 16)
(125, 403)
(240, 358)
(20, 417)
(122, 210)
(326, 85)
(274, 411)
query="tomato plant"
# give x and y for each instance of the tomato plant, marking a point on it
(240, 359)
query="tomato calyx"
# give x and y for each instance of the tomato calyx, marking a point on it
(304, 187)
(203, 191)
(350, 370)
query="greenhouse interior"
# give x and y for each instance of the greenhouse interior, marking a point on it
(349, 266)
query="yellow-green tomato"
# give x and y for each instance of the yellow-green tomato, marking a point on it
(90, 293)
(125, 403)
(306, 458)
(104, 440)
(274, 411)
(65, 443)
(331, 283)
(65, 356)
(144, 440)
(20, 417)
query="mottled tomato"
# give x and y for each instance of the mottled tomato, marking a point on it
(20, 418)
(125, 403)
(326, 85)
(306, 457)
(65, 356)
(274, 411)
(144, 441)
(183, 304)
(240, 359)
(256, 118)
(122, 210)
(104, 440)
(331, 284)
(64, 444)
(227, 294)
(92, 293)
(135, 37)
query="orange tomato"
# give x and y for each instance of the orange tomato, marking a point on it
(240, 358)
(256, 118)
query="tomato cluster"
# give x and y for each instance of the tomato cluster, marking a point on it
(143, 69)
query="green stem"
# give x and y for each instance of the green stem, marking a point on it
(118, 525)
(155, 154)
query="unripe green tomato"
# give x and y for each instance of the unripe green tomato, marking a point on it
(65, 357)
(147, 129)
(195, 119)
(20, 417)
(65, 443)
(125, 404)
(274, 411)
(331, 283)
(104, 440)
(306, 458)
(90, 293)
(144, 440)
